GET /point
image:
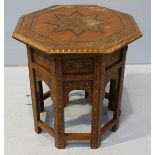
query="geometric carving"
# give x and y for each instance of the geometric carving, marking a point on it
(61, 84)
(77, 29)
(54, 36)
(78, 65)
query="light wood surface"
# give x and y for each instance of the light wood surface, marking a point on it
(77, 29)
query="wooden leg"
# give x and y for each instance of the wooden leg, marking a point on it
(112, 92)
(97, 102)
(57, 96)
(41, 96)
(34, 93)
(119, 91)
(117, 102)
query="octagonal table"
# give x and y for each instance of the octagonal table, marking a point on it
(80, 47)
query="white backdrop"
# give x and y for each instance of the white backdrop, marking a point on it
(139, 51)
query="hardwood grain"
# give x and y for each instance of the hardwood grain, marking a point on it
(77, 136)
(46, 127)
(77, 29)
(81, 47)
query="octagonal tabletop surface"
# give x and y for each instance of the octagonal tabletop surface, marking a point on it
(77, 29)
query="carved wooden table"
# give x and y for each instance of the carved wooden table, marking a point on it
(76, 48)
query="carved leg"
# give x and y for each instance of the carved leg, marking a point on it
(119, 91)
(97, 102)
(41, 97)
(56, 89)
(34, 92)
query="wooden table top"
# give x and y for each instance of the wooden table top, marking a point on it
(77, 29)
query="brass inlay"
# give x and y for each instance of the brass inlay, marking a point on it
(77, 23)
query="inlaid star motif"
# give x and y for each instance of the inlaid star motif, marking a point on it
(77, 23)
